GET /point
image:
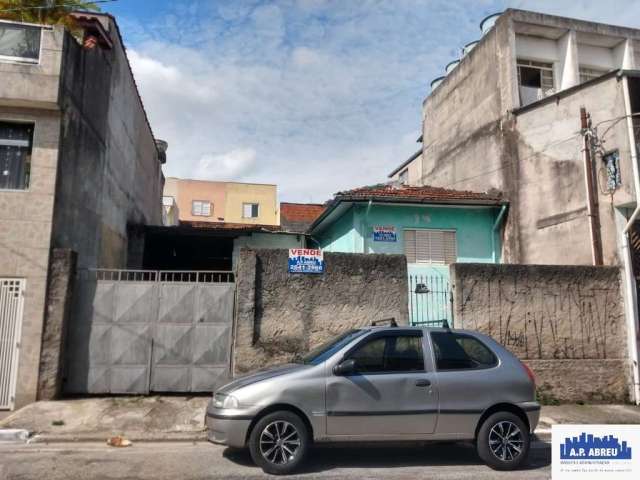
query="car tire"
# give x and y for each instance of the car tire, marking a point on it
(279, 442)
(503, 441)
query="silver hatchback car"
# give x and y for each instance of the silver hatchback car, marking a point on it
(382, 384)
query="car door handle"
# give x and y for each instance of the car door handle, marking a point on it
(423, 383)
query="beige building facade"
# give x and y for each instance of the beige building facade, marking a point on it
(228, 202)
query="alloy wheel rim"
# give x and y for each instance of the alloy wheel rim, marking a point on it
(279, 442)
(506, 441)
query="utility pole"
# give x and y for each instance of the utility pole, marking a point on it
(592, 197)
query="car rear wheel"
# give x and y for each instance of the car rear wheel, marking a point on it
(503, 441)
(279, 442)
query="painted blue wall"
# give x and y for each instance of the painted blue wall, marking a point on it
(476, 241)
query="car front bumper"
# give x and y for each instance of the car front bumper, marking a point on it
(227, 428)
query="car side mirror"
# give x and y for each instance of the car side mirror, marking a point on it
(346, 367)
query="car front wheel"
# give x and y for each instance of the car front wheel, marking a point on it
(503, 441)
(279, 442)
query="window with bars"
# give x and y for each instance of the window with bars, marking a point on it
(535, 80)
(431, 247)
(15, 155)
(201, 208)
(587, 73)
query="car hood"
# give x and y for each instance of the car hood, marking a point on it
(261, 375)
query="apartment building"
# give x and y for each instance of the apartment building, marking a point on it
(222, 202)
(80, 172)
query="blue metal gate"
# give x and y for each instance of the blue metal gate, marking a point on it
(430, 301)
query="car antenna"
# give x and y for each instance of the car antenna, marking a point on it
(445, 325)
(391, 321)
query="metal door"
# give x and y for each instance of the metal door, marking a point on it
(192, 337)
(142, 331)
(11, 305)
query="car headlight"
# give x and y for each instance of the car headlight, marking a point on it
(221, 400)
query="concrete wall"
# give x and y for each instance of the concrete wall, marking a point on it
(266, 240)
(553, 222)
(475, 140)
(566, 322)
(110, 179)
(279, 315)
(34, 85)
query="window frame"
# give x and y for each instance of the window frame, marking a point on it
(25, 60)
(430, 263)
(31, 124)
(257, 204)
(582, 71)
(542, 66)
(201, 214)
(384, 334)
(496, 364)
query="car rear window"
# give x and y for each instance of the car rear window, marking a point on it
(456, 351)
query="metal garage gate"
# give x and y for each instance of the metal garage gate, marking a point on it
(134, 331)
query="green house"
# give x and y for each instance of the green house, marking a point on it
(433, 227)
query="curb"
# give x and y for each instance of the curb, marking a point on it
(13, 435)
(133, 437)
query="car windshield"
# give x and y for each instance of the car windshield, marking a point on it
(324, 351)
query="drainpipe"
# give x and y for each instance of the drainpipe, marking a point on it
(365, 237)
(497, 225)
(629, 280)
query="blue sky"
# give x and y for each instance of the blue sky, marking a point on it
(316, 96)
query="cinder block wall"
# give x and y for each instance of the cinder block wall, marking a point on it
(566, 322)
(279, 314)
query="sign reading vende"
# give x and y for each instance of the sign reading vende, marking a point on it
(595, 452)
(384, 233)
(306, 260)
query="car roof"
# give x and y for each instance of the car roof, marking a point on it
(413, 327)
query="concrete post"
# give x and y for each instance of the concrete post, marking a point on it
(62, 269)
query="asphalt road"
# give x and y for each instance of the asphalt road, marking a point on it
(187, 461)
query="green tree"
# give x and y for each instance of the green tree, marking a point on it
(51, 12)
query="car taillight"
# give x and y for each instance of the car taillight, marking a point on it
(530, 374)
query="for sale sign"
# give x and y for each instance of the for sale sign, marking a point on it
(384, 233)
(306, 260)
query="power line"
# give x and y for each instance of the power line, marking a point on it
(45, 7)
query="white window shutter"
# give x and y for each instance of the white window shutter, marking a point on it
(410, 245)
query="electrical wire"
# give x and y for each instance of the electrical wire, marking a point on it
(45, 7)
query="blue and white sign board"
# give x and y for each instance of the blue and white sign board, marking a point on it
(606, 452)
(384, 233)
(306, 260)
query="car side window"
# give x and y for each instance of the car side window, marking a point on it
(455, 351)
(389, 354)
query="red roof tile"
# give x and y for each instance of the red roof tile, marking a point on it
(422, 194)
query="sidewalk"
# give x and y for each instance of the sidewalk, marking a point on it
(155, 418)
(179, 418)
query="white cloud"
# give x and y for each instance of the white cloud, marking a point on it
(313, 95)
(233, 165)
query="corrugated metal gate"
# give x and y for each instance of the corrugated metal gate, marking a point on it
(430, 301)
(148, 331)
(11, 305)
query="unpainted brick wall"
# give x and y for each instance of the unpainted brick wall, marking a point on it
(566, 322)
(279, 314)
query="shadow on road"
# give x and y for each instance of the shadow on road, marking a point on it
(323, 458)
